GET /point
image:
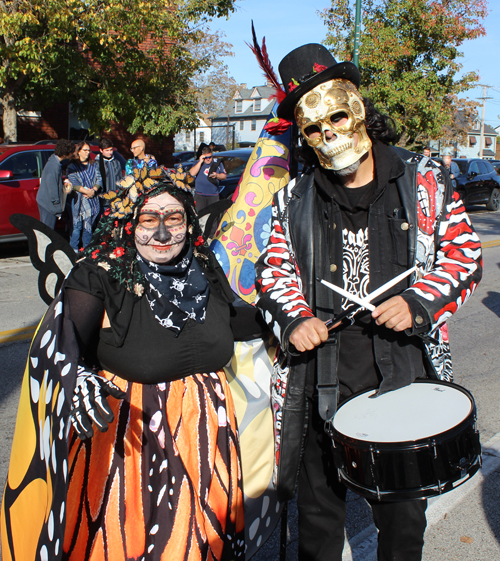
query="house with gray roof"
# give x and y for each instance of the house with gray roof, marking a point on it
(472, 147)
(244, 117)
(474, 140)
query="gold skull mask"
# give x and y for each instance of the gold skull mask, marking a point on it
(319, 109)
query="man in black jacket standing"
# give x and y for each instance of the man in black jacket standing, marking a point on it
(50, 197)
(361, 216)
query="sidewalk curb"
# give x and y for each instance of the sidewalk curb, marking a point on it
(21, 334)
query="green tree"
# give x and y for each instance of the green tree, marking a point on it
(410, 59)
(115, 60)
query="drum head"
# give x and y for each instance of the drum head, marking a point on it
(415, 412)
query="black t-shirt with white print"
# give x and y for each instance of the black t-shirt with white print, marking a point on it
(357, 369)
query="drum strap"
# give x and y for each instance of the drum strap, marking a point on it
(328, 384)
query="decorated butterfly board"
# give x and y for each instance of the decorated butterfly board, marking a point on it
(246, 226)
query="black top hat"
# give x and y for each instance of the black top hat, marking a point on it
(305, 68)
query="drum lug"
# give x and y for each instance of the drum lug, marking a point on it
(374, 451)
(434, 448)
(329, 429)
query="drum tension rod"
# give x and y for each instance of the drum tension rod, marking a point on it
(435, 449)
(372, 470)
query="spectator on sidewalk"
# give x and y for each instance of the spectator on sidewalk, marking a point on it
(85, 205)
(452, 168)
(140, 159)
(207, 172)
(51, 196)
(109, 171)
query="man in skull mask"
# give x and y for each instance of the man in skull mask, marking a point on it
(361, 216)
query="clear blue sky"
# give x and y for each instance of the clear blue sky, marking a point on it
(287, 24)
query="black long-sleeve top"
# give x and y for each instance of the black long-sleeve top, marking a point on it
(135, 346)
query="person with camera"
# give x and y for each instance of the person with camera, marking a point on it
(208, 172)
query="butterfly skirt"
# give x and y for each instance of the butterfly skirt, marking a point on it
(164, 482)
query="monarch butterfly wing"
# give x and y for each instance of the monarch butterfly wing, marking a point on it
(35, 486)
(50, 254)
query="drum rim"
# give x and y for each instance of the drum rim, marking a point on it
(408, 444)
(416, 493)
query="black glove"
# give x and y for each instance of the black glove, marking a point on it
(90, 404)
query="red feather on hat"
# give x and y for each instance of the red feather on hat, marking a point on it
(265, 64)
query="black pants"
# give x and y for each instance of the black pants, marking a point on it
(322, 508)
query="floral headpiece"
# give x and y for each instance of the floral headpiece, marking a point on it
(141, 182)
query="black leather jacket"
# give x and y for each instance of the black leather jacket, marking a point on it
(401, 357)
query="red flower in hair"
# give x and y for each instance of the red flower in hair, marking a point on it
(292, 85)
(118, 252)
(128, 228)
(95, 253)
(277, 126)
(107, 212)
(319, 67)
(199, 241)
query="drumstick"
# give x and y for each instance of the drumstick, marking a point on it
(361, 301)
(384, 288)
(389, 284)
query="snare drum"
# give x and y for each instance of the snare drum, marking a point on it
(415, 442)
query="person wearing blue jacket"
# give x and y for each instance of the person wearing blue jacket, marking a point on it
(50, 197)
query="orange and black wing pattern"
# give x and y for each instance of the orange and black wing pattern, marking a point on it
(34, 502)
(164, 482)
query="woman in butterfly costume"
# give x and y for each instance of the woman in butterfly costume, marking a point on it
(134, 346)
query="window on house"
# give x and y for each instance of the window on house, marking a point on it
(256, 105)
(488, 141)
(202, 137)
(188, 136)
(242, 125)
(254, 125)
(472, 141)
(239, 106)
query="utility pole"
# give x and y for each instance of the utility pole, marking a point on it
(481, 138)
(357, 34)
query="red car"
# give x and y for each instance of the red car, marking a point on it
(21, 168)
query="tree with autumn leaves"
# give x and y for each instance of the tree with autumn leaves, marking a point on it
(127, 61)
(410, 61)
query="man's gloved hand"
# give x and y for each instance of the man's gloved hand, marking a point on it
(90, 404)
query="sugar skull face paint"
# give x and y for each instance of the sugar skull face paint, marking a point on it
(161, 229)
(331, 118)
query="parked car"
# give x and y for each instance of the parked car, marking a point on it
(478, 183)
(496, 165)
(181, 157)
(21, 167)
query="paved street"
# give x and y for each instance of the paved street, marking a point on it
(463, 524)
